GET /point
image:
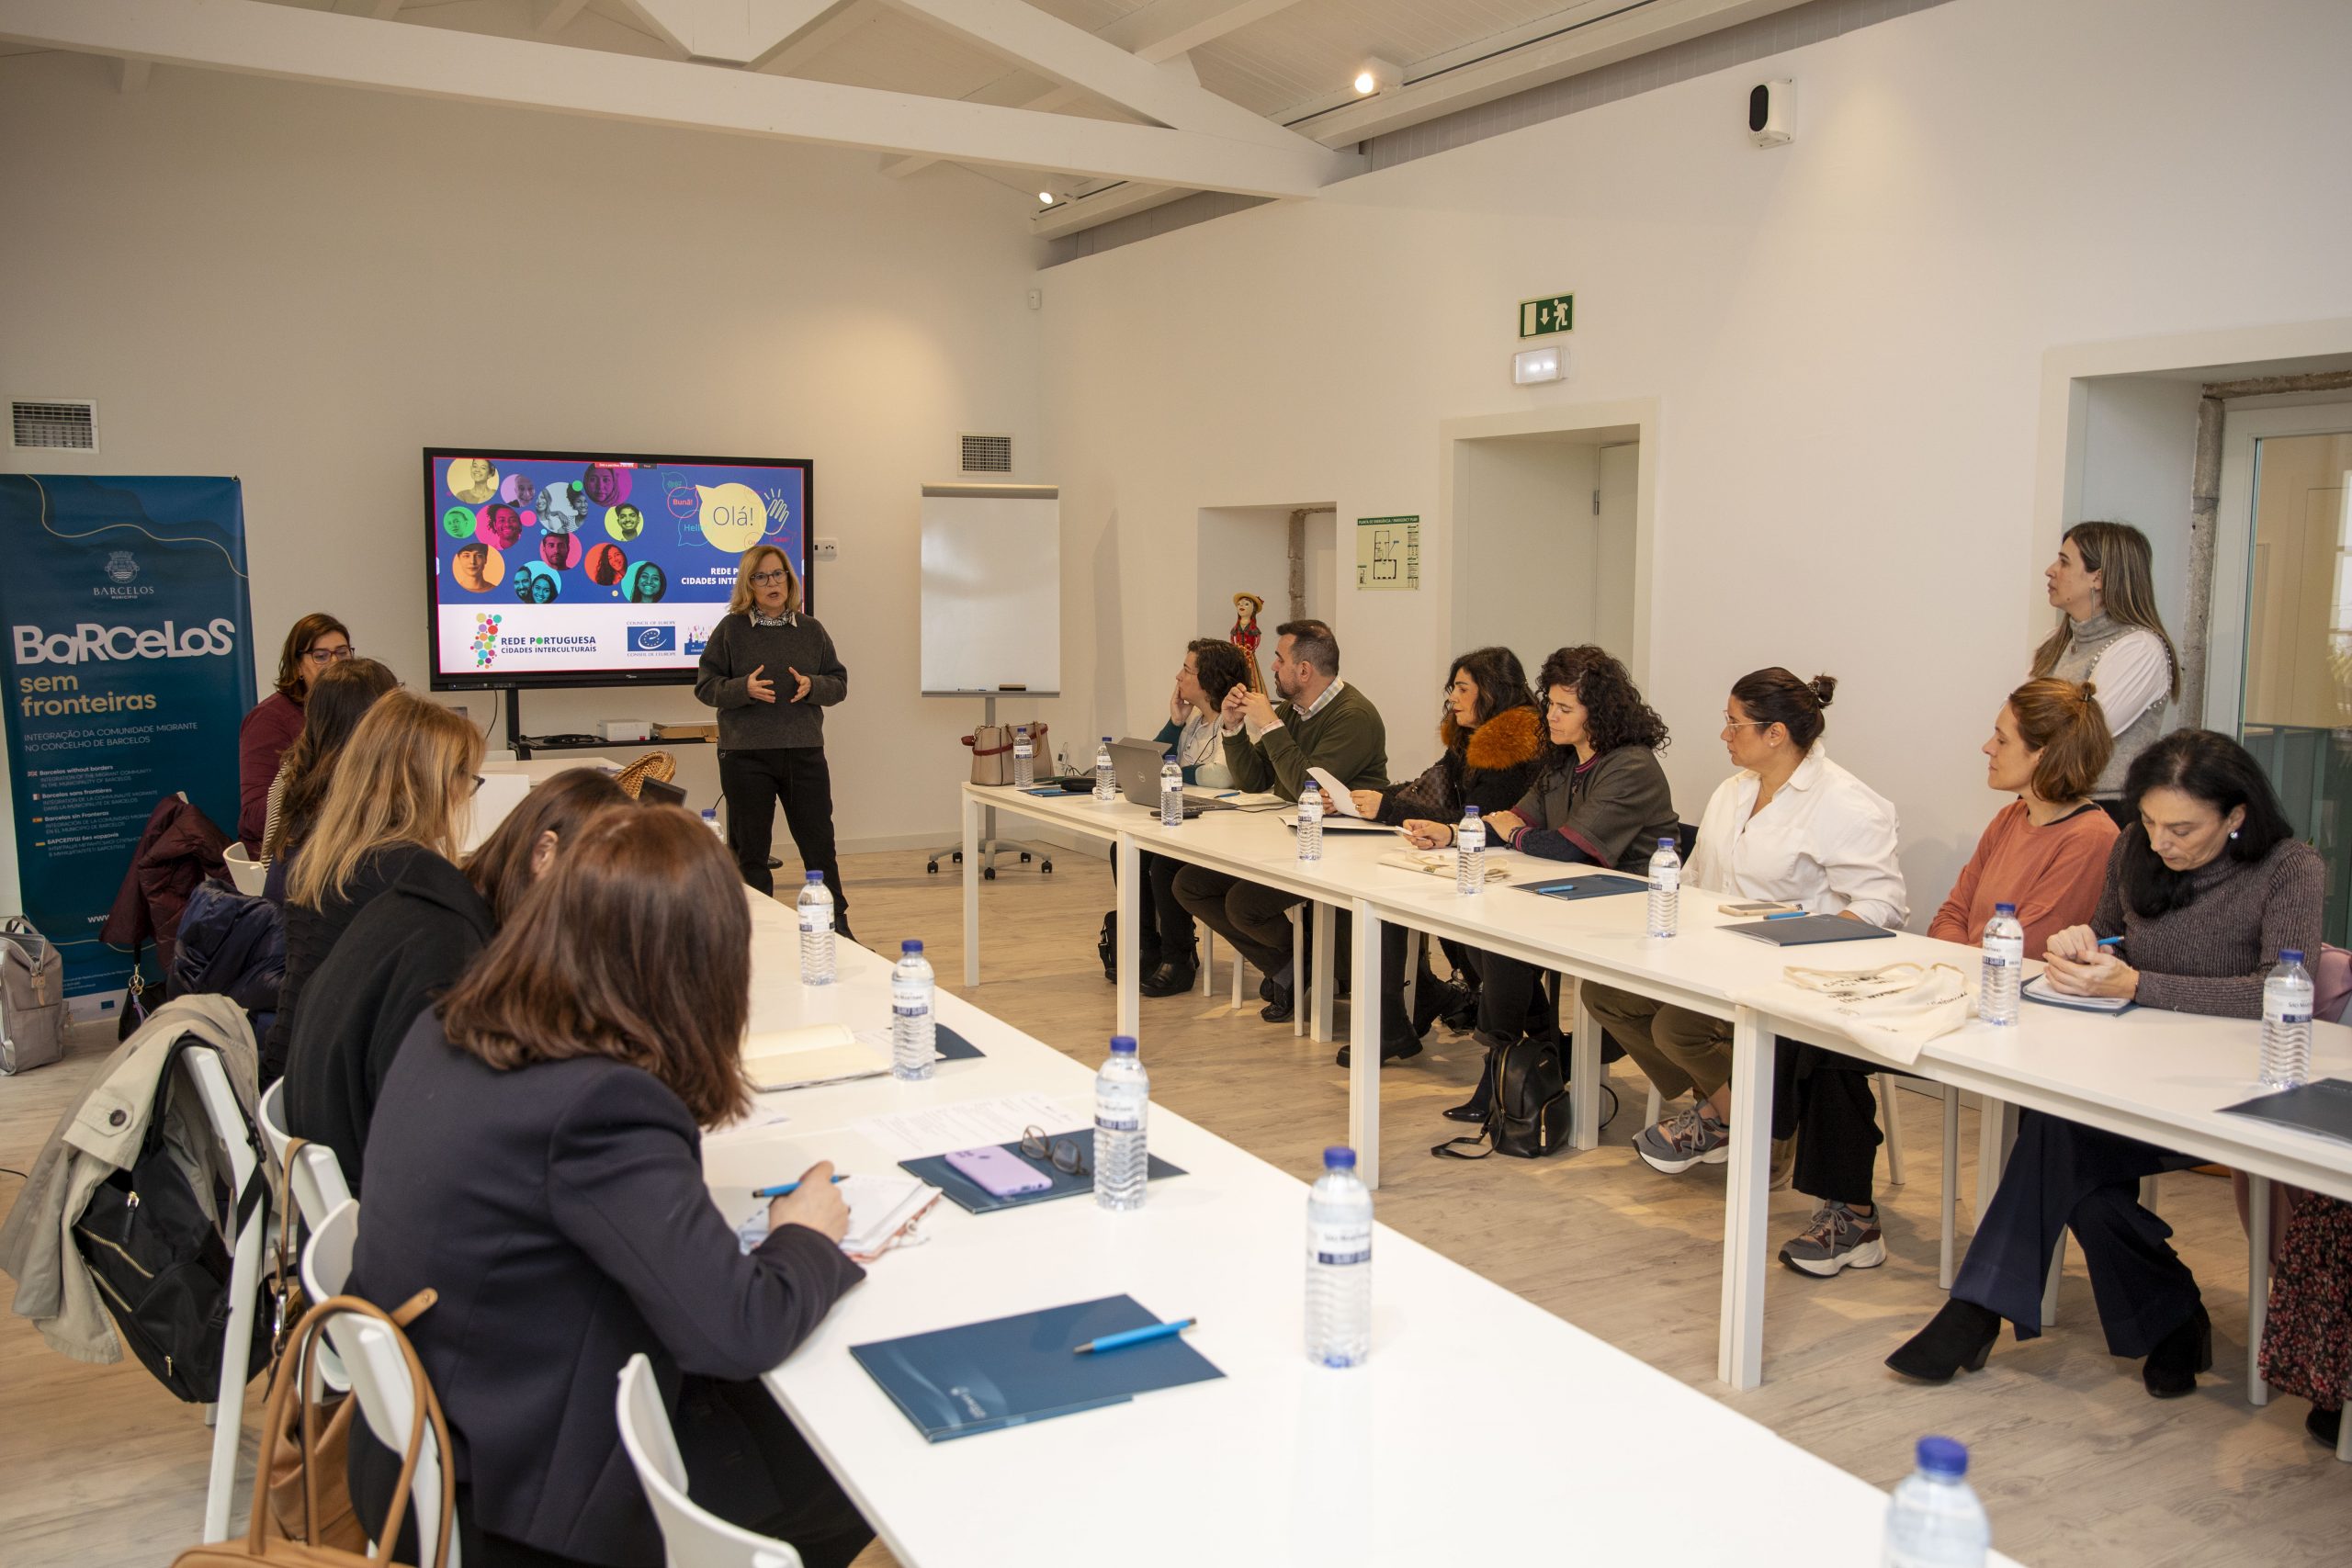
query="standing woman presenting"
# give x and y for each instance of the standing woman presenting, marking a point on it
(2104, 582)
(771, 672)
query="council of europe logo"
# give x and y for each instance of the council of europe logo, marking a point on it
(654, 639)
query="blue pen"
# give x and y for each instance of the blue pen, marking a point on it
(1788, 915)
(2108, 941)
(1230, 794)
(788, 1189)
(1135, 1337)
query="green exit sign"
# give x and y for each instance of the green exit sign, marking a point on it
(1555, 314)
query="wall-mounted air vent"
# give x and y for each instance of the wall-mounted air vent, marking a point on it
(987, 454)
(64, 426)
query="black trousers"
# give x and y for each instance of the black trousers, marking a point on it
(753, 781)
(1514, 1000)
(1824, 1100)
(1255, 919)
(2065, 1177)
(1166, 929)
(745, 1462)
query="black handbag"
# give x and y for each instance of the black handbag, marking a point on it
(160, 1264)
(1527, 1115)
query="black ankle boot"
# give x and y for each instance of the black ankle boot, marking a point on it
(1171, 977)
(1473, 1110)
(2172, 1367)
(1959, 1336)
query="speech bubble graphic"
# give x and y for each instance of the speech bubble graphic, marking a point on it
(733, 517)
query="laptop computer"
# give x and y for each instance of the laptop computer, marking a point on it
(1136, 764)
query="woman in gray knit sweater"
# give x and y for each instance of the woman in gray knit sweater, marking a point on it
(2205, 888)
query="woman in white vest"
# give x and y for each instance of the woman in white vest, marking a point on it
(2109, 634)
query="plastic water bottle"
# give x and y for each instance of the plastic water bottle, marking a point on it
(1310, 825)
(2003, 967)
(912, 1030)
(1338, 1264)
(2287, 1022)
(816, 903)
(1171, 793)
(1470, 853)
(1106, 778)
(1122, 1127)
(1934, 1520)
(1666, 889)
(1024, 759)
(710, 820)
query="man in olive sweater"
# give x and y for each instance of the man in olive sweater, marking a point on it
(1324, 723)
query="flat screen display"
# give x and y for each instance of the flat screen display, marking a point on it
(594, 568)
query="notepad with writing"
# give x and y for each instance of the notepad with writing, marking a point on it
(1591, 884)
(2323, 1107)
(2040, 989)
(1802, 931)
(982, 1377)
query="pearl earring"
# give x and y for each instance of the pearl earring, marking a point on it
(2233, 834)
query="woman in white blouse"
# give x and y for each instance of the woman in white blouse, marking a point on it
(1790, 826)
(2109, 635)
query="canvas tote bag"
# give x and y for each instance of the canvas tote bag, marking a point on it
(1894, 1008)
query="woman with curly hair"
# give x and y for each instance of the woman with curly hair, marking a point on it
(1791, 825)
(1494, 743)
(1166, 941)
(1597, 796)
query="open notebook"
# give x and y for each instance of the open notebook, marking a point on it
(881, 1208)
(830, 1052)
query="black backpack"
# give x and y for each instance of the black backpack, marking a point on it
(160, 1265)
(1527, 1116)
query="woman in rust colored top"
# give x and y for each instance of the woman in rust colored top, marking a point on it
(2046, 852)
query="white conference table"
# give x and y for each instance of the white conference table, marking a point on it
(1278, 1461)
(2162, 1076)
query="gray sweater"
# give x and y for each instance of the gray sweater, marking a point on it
(2211, 955)
(737, 648)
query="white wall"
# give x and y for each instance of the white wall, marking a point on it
(1846, 335)
(2139, 455)
(304, 286)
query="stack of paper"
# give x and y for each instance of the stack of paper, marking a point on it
(1435, 863)
(814, 1053)
(880, 1210)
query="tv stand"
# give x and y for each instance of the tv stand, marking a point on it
(524, 745)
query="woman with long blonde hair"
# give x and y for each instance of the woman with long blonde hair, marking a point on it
(771, 672)
(402, 795)
(2109, 634)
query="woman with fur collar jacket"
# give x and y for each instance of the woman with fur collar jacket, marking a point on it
(1494, 748)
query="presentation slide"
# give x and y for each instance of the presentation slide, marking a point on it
(586, 569)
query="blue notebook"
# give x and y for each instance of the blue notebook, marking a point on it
(952, 1046)
(974, 1198)
(982, 1377)
(1802, 931)
(1591, 884)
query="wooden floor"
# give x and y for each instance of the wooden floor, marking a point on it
(100, 1469)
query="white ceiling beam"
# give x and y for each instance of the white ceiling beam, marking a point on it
(552, 17)
(1074, 57)
(1162, 31)
(736, 31)
(289, 43)
(385, 10)
(789, 56)
(1581, 39)
(1090, 211)
(130, 76)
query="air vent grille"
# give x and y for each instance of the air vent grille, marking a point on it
(62, 427)
(987, 454)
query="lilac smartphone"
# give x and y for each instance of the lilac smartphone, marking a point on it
(999, 1172)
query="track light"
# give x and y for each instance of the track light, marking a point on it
(1045, 198)
(1377, 76)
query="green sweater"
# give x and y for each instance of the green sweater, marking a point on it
(1346, 738)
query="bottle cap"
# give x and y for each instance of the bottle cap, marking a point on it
(1106, 740)
(1665, 843)
(816, 879)
(1169, 758)
(2005, 908)
(910, 946)
(1944, 1457)
(2291, 956)
(1123, 1044)
(1468, 812)
(1338, 1157)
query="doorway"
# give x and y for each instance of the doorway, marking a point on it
(2280, 652)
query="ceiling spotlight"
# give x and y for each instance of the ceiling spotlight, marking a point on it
(1377, 76)
(1046, 198)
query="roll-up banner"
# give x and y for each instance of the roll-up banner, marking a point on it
(130, 669)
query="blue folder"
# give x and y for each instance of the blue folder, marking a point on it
(1591, 884)
(1804, 930)
(952, 1046)
(952, 1382)
(974, 1198)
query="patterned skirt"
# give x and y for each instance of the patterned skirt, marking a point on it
(2307, 1344)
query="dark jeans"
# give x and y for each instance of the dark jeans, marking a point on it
(745, 1462)
(1824, 1100)
(2061, 1176)
(753, 781)
(1254, 919)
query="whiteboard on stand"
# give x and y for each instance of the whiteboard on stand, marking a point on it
(991, 590)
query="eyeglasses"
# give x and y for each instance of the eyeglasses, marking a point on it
(765, 579)
(328, 655)
(1062, 1152)
(1731, 723)
(479, 782)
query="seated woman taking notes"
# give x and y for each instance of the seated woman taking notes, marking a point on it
(2206, 889)
(536, 1158)
(1791, 825)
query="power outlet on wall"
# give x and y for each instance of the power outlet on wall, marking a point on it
(824, 549)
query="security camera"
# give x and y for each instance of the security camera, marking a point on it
(1773, 112)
